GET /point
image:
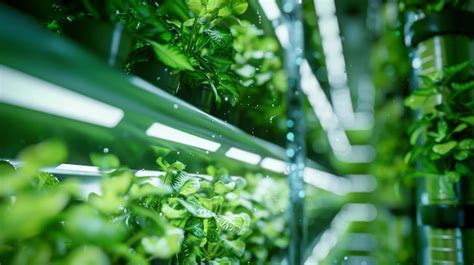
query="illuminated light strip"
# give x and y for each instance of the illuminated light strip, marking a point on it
(75, 169)
(242, 155)
(149, 173)
(164, 132)
(326, 181)
(351, 212)
(336, 68)
(270, 8)
(20, 89)
(274, 165)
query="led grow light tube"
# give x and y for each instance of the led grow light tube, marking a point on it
(274, 165)
(270, 8)
(22, 90)
(242, 155)
(351, 212)
(164, 132)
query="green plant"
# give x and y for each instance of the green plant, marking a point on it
(442, 137)
(429, 6)
(194, 40)
(176, 219)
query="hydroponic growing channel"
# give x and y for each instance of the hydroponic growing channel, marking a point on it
(236, 132)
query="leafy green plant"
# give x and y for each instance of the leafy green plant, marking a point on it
(442, 137)
(178, 218)
(429, 6)
(193, 38)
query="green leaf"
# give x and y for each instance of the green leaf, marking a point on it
(171, 56)
(195, 226)
(178, 180)
(172, 213)
(453, 176)
(445, 148)
(466, 144)
(415, 134)
(414, 101)
(234, 223)
(196, 208)
(212, 203)
(224, 261)
(47, 153)
(147, 189)
(105, 161)
(162, 163)
(223, 188)
(236, 246)
(160, 151)
(462, 155)
(211, 230)
(442, 130)
(86, 225)
(460, 128)
(89, 255)
(164, 247)
(29, 213)
(468, 119)
(455, 69)
(195, 6)
(191, 186)
(463, 86)
(117, 184)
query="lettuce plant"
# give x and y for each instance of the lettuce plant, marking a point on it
(442, 137)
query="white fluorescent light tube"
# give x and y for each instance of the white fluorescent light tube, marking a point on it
(20, 89)
(274, 165)
(149, 173)
(242, 155)
(164, 132)
(271, 9)
(75, 169)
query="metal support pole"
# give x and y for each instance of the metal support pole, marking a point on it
(296, 150)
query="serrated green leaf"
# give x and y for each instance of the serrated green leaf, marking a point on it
(191, 186)
(171, 56)
(445, 148)
(178, 180)
(211, 230)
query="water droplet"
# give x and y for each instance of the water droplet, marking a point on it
(301, 194)
(290, 123)
(207, 152)
(106, 150)
(175, 106)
